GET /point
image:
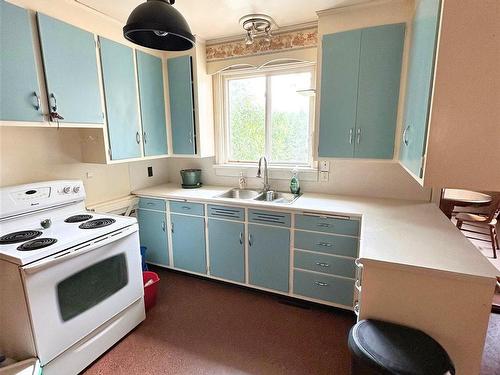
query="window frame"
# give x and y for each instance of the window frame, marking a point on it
(267, 72)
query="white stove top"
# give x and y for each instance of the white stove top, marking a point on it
(66, 234)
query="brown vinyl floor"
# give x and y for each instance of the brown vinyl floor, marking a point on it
(203, 327)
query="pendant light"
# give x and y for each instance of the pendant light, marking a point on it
(157, 24)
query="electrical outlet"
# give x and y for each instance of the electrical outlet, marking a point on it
(323, 176)
(324, 166)
(150, 171)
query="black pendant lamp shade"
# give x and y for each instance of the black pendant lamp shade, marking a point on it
(157, 24)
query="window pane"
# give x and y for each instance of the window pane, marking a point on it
(290, 118)
(247, 118)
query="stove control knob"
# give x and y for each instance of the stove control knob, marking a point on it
(66, 189)
(76, 189)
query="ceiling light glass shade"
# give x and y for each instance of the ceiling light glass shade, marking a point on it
(158, 25)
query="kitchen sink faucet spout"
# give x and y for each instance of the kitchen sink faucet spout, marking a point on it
(267, 187)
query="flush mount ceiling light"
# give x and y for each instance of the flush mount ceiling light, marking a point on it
(256, 25)
(157, 24)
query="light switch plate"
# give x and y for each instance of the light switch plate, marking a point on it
(324, 166)
(323, 176)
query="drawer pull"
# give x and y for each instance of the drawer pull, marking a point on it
(324, 244)
(150, 204)
(320, 283)
(186, 207)
(322, 264)
(324, 225)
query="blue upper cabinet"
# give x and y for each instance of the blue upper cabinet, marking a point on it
(19, 87)
(120, 91)
(419, 84)
(151, 93)
(70, 64)
(339, 91)
(360, 78)
(153, 235)
(269, 256)
(180, 84)
(378, 92)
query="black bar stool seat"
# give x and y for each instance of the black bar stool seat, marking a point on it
(382, 348)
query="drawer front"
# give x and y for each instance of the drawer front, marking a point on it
(269, 217)
(152, 204)
(187, 208)
(224, 212)
(327, 224)
(324, 263)
(327, 243)
(323, 287)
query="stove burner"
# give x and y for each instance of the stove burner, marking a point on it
(39, 243)
(77, 218)
(96, 223)
(21, 236)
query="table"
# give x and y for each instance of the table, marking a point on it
(459, 197)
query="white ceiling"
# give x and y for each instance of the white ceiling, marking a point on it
(219, 18)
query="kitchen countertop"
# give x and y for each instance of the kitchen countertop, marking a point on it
(407, 233)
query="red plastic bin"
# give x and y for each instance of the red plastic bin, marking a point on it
(150, 291)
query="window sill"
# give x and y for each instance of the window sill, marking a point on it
(275, 172)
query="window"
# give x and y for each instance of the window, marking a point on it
(265, 115)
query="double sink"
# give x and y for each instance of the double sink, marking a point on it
(256, 195)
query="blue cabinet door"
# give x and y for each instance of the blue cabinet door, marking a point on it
(153, 235)
(70, 64)
(180, 89)
(226, 249)
(120, 92)
(339, 90)
(188, 243)
(378, 90)
(419, 84)
(154, 125)
(18, 78)
(269, 256)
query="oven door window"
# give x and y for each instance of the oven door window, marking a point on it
(85, 289)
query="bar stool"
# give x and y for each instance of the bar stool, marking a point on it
(382, 348)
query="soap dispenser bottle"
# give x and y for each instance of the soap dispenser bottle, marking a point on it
(294, 182)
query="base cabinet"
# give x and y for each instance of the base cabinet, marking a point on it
(227, 249)
(188, 242)
(269, 256)
(153, 235)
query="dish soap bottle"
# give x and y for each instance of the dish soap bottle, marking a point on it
(294, 182)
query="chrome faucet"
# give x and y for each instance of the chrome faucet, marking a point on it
(267, 187)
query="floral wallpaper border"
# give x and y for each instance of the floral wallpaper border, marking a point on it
(289, 40)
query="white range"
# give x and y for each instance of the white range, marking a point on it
(70, 279)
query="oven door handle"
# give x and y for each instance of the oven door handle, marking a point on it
(78, 250)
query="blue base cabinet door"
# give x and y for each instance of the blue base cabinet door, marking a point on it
(226, 249)
(269, 256)
(19, 88)
(180, 84)
(70, 64)
(154, 125)
(188, 243)
(120, 91)
(153, 235)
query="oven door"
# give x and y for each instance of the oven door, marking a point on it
(74, 292)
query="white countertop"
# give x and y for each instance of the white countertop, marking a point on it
(407, 233)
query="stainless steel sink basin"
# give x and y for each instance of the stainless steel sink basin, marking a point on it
(278, 197)
(241, 194)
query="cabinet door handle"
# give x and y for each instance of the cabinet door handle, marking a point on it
(163, 226)
(324, 244)
(322, 264)
(53, 98)
(172, 227)
(358, 135)
(405, 132)
(250, 240)
(350, 135)
(190, 136)
(241, 238)
(144, 137)
(137, 137)
(356, 308)
(38, 103)
(320, 283)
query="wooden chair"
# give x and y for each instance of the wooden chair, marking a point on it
(487, 220)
